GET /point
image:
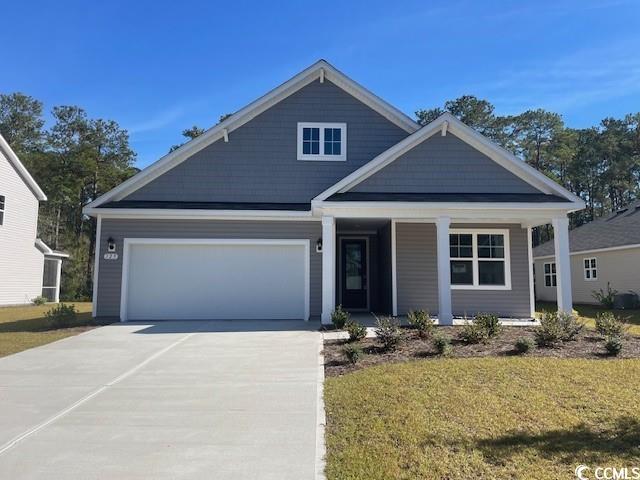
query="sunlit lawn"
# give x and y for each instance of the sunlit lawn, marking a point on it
(588, 314)
(490, 418)
(26, 327)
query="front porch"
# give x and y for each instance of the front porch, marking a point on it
(453, 268)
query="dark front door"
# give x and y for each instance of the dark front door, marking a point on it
(354, 282)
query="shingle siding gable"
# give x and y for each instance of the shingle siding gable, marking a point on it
(259, 163)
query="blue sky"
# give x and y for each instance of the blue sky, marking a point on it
(159, 67)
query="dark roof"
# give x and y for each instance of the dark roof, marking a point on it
(615, 230)
(144, 204)
(446, 197)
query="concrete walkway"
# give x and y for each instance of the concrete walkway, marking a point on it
(172, 400)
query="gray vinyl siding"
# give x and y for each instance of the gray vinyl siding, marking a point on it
(417, 274)
(444, 165)
(110, 271)
(259, 163)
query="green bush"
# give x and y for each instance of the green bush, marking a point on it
(613, 344)
(608, 325)
(339, 317)
(39, 300)
(61, 316)
(524, 345)
(356, 331)
(442, 344)
(388, 332)
(473, 332)
(421, 321)
(605, 298)
(489, 323)
(353, 353)
(557, 327)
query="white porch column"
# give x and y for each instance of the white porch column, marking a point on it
(445, 316)
(58, 279)
(563, 263)
(328, 268)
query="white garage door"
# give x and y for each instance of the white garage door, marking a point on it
(215, 279)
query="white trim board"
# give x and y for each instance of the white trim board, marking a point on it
(466, 134)
(128, 242)
(226, 127)
(188, 214)
(20, 168)
(595, 250)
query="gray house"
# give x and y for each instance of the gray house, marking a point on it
(320, 193)
(605, 251)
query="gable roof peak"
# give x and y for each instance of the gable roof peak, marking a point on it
(24, 174)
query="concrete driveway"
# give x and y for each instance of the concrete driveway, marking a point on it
(223, 400)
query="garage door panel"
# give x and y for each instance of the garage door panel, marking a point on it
(219, 281)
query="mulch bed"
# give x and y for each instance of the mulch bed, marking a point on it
(588, 344)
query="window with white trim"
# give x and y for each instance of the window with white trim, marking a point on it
(550, 279)
(322, 141)
(480, 259)
(1, 209)
(590, 268)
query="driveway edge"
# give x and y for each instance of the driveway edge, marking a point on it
(321, 417)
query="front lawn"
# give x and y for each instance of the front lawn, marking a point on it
(26, 327)
(493, 418)
(588, 314)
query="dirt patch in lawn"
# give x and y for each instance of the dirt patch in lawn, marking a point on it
(588, 344)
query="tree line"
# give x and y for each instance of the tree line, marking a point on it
(78, 158)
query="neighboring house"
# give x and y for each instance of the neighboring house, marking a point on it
(606, 250)
(320, 193)
(28, 268)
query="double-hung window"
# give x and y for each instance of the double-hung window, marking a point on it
(479, 259)
(590, 268)
(550, 279)
(322, 141)
(1, 209)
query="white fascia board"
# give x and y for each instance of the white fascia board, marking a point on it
(22, 171)
(181, 214)
(43, 247)
(594, 250)
(498, 154)
(249, 112)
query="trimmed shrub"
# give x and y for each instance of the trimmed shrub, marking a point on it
(39, 300)
(557, 327)
(569, 325)
(605, 297)
(613, 345)
(421, 321)
(61, 316)
(608, 325)
(353, 353)
(473, 332)
(489, 323)
(339, 317)
(356, 331)
(442, 344)
(524, 345)
(388, 332)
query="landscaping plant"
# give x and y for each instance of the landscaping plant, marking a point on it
(473, 332)
(61, 316)
(605, 298)
(489, 323)
(613, 344)
(421, 321)
(388, 332)
(557, 327)
(356, 331)
(524, 345)
(608, 325)
(339, 317)
(442, 344)
(353, 353)
(39, 300)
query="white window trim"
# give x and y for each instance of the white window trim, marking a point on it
(2, 209)
(590, 269)
(321, 156)
(551, 274)
(475, 260)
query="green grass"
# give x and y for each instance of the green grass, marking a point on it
(587, 314)
(26, 327)
(490, 418)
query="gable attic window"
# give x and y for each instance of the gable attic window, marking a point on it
(322, 141)
(1, 209)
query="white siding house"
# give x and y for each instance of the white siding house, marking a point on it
(22, 259)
